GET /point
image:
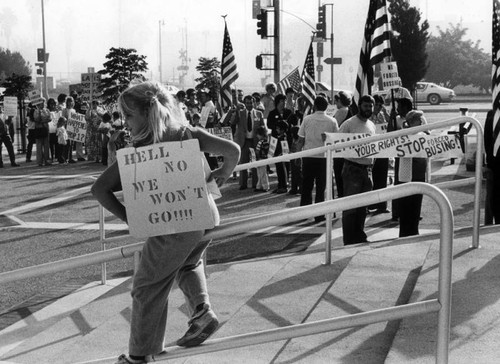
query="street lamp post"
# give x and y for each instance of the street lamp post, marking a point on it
(45, 89)
(160, 23)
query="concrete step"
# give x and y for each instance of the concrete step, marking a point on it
(475, 318)
(279, 291)
(374, 279)
(17, 335)
(100, 328)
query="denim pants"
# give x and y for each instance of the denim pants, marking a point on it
(42, 150)
(164, 259)
(356, 180)
(313, 173)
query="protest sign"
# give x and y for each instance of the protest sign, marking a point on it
(273, 143)
(284, 147)
(76, 127)
(10, 105)
(224, 132)
(409, 146)
(390, 76)
(381, 128)
(164, 188)
(90, 86)
(35, 97)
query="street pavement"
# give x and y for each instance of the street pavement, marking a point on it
(48, 214)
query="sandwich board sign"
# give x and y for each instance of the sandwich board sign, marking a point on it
(164, 188)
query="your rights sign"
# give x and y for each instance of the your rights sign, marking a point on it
(409, 146)
(164, 188)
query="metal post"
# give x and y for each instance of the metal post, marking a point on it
(160, 22)
(45, 89)
(329, 197)
(277, 48)
(102, 238)
(331, 52)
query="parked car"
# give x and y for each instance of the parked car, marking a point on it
(426, 92)
(433, 94)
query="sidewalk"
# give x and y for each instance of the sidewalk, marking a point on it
(281, 290)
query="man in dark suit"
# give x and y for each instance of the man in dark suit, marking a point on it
(247, 121)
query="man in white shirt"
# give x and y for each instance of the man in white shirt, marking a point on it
(314, 168)
(208, 111)
(355, 173)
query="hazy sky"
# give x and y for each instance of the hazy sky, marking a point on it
(79, 33)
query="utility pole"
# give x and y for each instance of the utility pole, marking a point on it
(277, 47)
(45, 89)
(331, 48)
(160, 23)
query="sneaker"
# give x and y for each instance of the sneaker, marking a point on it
(201, 326)
(125, 359)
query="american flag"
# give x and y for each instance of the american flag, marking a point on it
(229, 72)
(291, 80)
(495, 77)
(375, 47)
(308, 83)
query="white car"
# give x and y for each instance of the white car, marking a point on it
(425, 92)
(433, 94)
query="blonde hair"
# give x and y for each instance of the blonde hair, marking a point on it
(164, 117)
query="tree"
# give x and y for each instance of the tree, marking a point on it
(124, 66)
(13, 63)
(454, 61)
(210, 75)
(19, 85)
(409, 42)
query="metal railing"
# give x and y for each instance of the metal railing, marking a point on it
(442, 304)
(477, 180)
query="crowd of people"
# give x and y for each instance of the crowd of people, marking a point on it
(46, 126)
(263, 125)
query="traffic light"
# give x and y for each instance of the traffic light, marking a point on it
(258, 62)
(262, 24)
(39, 52)
(321, 26)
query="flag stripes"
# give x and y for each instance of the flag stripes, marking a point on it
(229, 72)
(495, 75)
(307, 81)
(374, 48)
(291, 80)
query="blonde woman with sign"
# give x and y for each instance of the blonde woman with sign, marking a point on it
(155, 121)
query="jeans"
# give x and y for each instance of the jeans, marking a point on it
(42, 150)
(165, 259)
(313, 172)
(356, 180)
